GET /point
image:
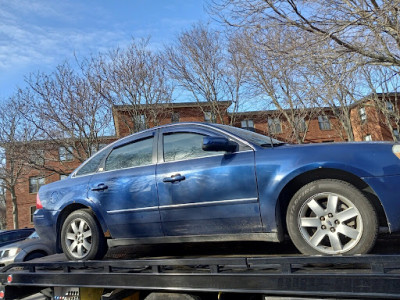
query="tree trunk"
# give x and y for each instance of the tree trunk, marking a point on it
(15, 209)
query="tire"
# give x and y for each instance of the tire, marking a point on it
(331, 217)
(81, 237)
(34, 255)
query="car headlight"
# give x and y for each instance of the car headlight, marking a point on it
(396, 150)
(10, 252)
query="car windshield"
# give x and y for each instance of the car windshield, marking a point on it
(252, 137)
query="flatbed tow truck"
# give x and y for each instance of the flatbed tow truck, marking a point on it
(266, 277)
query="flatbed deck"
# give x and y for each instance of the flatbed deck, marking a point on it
(368, 276)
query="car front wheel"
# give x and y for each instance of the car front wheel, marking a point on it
(331, 217)
(81, 237)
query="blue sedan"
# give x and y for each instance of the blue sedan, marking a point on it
(195, 182)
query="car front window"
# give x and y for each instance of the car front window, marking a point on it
(185, 145)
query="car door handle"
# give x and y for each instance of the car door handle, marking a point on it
(174, 178)
(100, 187)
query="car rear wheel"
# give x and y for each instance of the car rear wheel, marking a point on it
(81, 237)
(331, 217)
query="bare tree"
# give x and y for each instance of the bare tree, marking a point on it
(368, 28)
(278, 82)
(3, 216)
(209, 68)
(69, 114)
(134, 80)
(384, 85)
(336, 85)
(15, 134)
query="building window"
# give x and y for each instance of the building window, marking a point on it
(389, 106)
(368, 138)
(65, 153)
(363, 115)
(35, 183)
(396, 134)
(139, 122)
(274, 125)
(300, 124)
(324, 123)
(247, 124)
(175, 117)
(32, 211)
(209, 117)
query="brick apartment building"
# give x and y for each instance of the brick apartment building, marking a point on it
(314, 128)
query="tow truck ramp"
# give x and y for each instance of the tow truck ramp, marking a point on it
(320, 277)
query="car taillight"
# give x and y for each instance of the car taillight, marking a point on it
(38, 202)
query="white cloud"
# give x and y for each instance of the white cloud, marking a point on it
(37, 35)
(30, 36)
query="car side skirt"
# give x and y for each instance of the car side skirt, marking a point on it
(265, 237)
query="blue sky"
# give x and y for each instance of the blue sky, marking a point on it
(37, 35)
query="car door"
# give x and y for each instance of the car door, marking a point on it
(205, 193)
(126, 189)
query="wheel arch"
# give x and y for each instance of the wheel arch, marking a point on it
(39, 251)
(67, 210)
(300, 180)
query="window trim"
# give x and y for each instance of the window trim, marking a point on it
(32, 213)
(66, 154)
(198, 129)
(158, 147)
(38, 187)
(362, 114)
(324, 122)
(107, 149)
(272, 125)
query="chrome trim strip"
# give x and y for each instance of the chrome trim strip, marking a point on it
(267, 237)
(132, 210)
(208, 203)
(195, 204)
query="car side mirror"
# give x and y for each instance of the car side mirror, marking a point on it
(214, 143)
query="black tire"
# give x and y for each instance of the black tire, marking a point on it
(34, 255)
(81, 237)
(331, 217)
